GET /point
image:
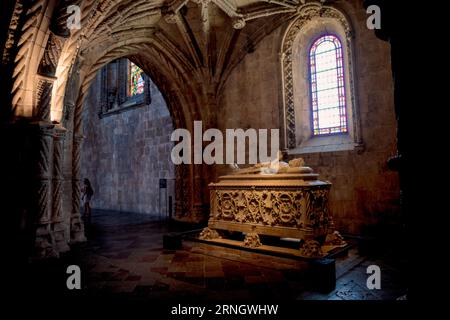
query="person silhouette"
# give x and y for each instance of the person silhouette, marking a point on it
(88, 192)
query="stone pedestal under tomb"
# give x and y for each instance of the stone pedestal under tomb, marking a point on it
(285, 201)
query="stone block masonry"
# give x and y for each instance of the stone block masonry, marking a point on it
(125, 154)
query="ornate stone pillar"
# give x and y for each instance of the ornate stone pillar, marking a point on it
(44, 88)
(49, 62)
(44, 242)
(52, 52)
(69, 107)
(48, 188)
(59, 227)
(76, 223)
(46, 76)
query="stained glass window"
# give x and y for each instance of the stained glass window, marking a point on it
(135, 80)
(327, 80)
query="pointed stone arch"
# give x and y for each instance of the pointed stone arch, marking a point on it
(171, 74)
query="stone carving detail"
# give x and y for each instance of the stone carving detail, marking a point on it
(57, 175)
(58, 155)
(76, 228)
(43, 202)
(43, 99)
(311, 249)
(208, 234)
(57, 199)
(69, 108)
(306, 13)
(317, 208)
(335, 239)
(58, 226)
(239, 23)
(297, 162)
(76, 223)
(51, 56)
(44, 161)
(252, 240)
(44, 243)
(269, 207)
(18, 11)
(171, 17)
(47, 71)
(19, 45)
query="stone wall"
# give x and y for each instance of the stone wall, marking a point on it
(364, 191)
(125, 154)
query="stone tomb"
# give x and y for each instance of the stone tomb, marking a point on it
(275, 199)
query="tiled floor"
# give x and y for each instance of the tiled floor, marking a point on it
(124, 258)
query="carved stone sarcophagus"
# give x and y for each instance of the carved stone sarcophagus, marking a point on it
(283, 205)
(287, 203)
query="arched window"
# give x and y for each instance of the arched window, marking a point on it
(125, 86)
(320, 100)
(135, 80)
(327, 81)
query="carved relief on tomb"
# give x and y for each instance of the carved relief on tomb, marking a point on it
(306, 208)
(311, 249)
(252, 240)
(335, 239)
(208, 234)
(317, 208)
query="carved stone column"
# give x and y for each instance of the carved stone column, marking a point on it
(59, 227)
(44, 241)
(69, 107)
(52, 52)
(47, 186)
(44, 88)
(49, 63)
(76, 223)
(46, 76)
